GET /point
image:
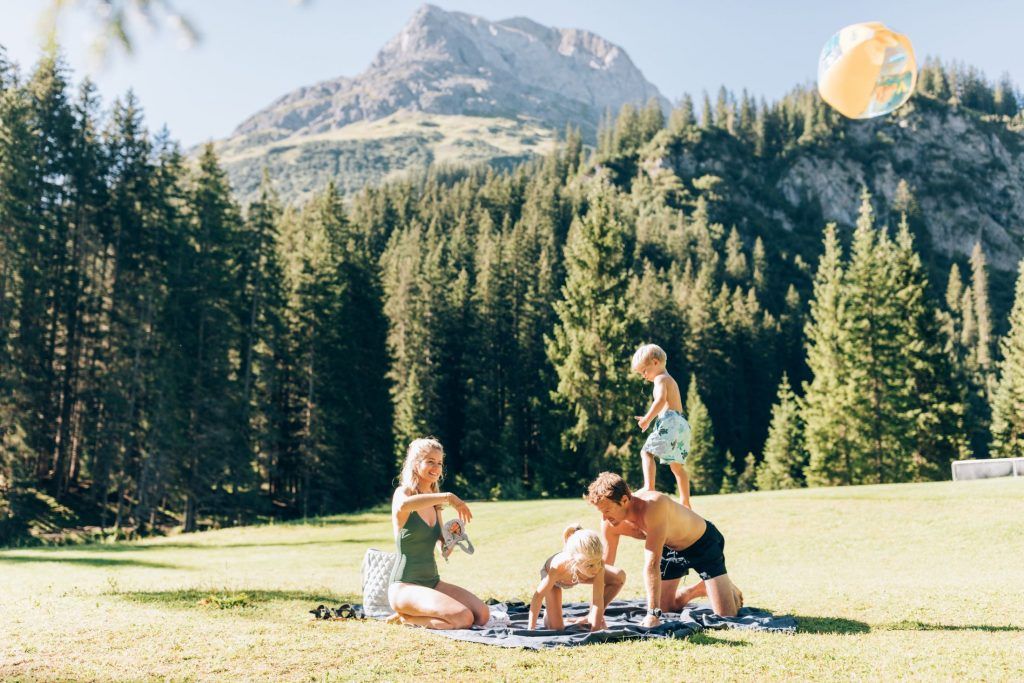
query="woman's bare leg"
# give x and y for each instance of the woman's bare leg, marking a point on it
(427, 607)
(481, 612)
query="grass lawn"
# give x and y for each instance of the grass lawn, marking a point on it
(920, 581)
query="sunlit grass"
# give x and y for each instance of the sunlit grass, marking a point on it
(918, 581)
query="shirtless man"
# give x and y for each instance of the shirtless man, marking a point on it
(675, 540)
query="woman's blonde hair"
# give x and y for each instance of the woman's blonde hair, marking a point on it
(584, 549)
(418, 449)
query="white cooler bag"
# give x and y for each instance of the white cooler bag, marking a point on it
(378, 568)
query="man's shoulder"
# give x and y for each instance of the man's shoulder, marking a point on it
(654, 503)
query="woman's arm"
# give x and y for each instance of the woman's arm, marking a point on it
(538, 597)
(403, 503)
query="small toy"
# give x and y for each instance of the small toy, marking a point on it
(454, 535)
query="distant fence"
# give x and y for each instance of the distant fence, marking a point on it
(984, 469)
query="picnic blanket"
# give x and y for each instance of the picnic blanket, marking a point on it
(623, 618)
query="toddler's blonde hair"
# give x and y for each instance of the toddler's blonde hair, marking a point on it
(584, 549)
(419, 449)
(646, 353)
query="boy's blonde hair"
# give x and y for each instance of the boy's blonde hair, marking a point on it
(419, 449)
(584, 549)
(646, 353)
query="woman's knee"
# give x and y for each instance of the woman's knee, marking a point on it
(464, 618)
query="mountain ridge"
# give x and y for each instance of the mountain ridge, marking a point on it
(442, 64)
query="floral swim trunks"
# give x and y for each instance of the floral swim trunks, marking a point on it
(670, 438)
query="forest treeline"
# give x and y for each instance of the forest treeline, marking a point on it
(170, 357)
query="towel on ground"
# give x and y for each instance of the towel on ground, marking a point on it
(623, 618)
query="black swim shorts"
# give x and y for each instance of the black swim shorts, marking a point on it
(706, 557)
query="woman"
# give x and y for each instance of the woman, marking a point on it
(417, 594)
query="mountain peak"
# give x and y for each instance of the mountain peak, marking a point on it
(453, 63)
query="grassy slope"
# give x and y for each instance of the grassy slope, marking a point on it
(910, 581)
(370, 152)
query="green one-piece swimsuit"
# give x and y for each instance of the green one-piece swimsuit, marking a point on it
(416, 541)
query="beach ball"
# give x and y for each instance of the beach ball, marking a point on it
(866, 70)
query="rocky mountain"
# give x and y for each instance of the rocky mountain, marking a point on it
(965, 170)
(450, 87)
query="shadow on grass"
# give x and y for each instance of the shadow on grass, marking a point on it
(703, 638)
(829, 625)
(253, 544)
(90, 561)
(194, 598)
(366, 518)
(922, 626)
(177, 545)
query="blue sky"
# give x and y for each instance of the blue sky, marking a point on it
(253, 51)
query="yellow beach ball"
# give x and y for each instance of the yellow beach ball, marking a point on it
(866, 70)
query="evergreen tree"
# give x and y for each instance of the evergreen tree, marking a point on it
(592, 341)
(214, 402)
(747, 481)
(729, 476)
(682, 117)
(704, 463)
(876, 353)
(785, 456)
(707, 116)
(826, 397)
(933, 399)
(652, 120)
(1008, 397)
(979, 286)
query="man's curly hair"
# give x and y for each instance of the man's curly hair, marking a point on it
(607, 485)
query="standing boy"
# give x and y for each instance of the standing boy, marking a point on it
(670, 439)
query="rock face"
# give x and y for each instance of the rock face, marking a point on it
(442, 64)
(964, 169)
(967, 174)
(453, 63)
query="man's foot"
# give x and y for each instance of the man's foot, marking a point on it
(687, 596)
(737, 595)
(575, 620)
(395, 619)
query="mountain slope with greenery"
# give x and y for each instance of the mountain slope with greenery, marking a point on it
(169, 356)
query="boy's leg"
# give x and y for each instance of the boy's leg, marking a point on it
(683, 481)
(650, 467)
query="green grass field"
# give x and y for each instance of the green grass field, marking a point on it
(918, 581)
